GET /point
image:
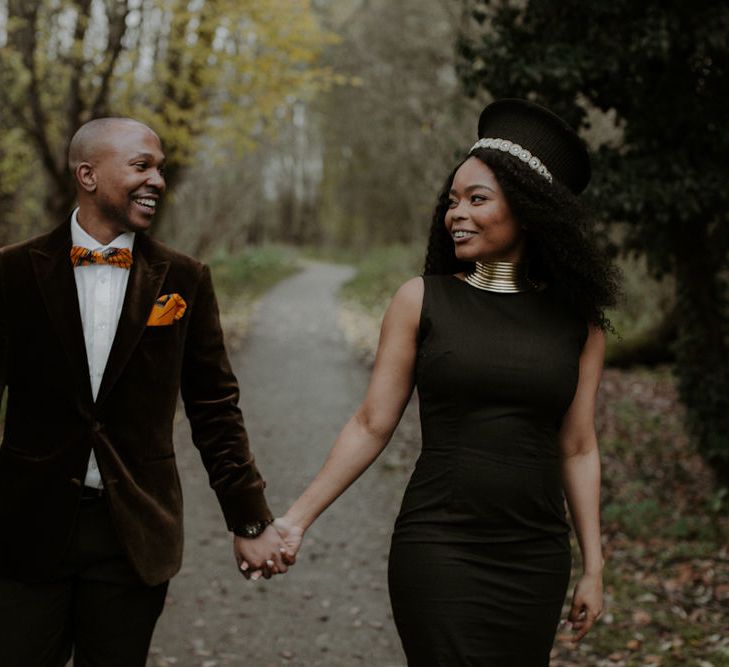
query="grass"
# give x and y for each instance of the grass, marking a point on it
(241, 278)
(250, 273)
(379, 274)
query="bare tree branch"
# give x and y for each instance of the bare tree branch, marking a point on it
(118, 12)
(75, 97)
(24, 38)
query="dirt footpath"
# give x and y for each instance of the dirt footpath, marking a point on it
(300, 381)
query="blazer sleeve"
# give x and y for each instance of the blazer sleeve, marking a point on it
(210, 394)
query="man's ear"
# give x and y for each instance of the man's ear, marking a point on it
(86, 176)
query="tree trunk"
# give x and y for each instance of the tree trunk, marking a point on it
(702, 352)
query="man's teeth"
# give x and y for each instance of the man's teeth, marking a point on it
(152, 203)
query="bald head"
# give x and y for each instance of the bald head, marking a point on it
(97, 135)
(118, 166)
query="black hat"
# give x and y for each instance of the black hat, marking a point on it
(538, 137)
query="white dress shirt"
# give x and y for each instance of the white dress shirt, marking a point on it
(101, 290)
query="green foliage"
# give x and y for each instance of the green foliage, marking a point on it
(658, 71)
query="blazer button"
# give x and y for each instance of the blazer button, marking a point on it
(98, 426)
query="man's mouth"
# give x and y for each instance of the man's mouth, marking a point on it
(147, 204)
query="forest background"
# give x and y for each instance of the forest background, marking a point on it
(319, 127)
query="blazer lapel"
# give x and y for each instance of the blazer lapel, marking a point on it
(54, 274)
(145, 281)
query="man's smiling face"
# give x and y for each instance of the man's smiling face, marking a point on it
(129, 178)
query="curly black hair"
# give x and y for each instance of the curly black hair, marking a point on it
(561, 248)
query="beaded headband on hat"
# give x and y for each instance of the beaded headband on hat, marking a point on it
(517, 151)
(537, 137)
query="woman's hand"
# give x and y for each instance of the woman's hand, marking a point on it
(587, 603)
(291, 536)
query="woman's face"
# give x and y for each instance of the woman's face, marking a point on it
(479, 219)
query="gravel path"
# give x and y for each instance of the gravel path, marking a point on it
(300, 382)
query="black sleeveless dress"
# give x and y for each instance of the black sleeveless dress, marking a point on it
(480, 555)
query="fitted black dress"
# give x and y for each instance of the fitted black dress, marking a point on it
(480, 555)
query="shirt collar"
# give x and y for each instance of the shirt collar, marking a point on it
(80, 237)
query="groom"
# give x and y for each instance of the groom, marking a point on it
(100, 328)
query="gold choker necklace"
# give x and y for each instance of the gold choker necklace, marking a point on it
(506, 277)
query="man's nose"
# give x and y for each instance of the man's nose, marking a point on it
(157, 180)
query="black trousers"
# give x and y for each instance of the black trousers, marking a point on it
(97, 608)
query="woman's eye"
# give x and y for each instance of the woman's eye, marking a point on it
(452, 203)
(478, 198)
(141, 166)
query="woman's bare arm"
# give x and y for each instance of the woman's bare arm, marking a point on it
(581, 480)
(369, 430)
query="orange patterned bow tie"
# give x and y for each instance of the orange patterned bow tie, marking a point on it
(121, 257)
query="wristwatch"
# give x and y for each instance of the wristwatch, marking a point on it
(253, 529)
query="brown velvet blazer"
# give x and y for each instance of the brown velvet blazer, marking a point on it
(52, 421)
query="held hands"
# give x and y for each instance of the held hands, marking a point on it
(587, 603)
(291, 536)
(260, 556)
(270, 553)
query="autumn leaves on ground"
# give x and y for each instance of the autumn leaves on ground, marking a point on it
(667, 561)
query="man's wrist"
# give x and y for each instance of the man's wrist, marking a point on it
(252, 529)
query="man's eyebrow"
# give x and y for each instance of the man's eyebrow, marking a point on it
(146, 156)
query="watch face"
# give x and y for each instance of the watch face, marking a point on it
(254, 529)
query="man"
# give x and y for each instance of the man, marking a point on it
(100, 328)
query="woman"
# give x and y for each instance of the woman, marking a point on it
(503, 337)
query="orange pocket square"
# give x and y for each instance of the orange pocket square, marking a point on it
(167, 309)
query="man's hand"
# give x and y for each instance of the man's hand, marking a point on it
(260, 556)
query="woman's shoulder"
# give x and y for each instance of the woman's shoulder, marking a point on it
(409, 295)
(412, 288)
(412, 294)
